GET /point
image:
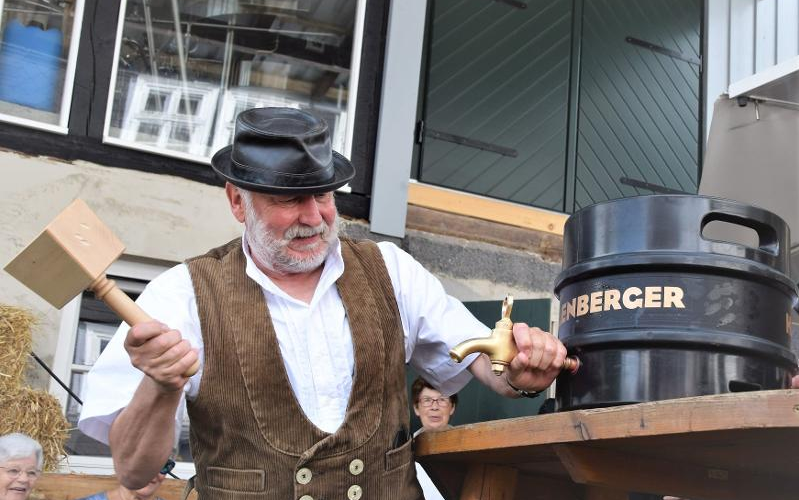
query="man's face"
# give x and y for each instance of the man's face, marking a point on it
(290, 234)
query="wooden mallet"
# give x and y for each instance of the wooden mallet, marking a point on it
(71, 255)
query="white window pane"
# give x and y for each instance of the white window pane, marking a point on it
(91, 340)
(35, 60)
(78, 443)
(177, 90)
(96, 326)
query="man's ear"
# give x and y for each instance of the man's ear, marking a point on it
(236, 201)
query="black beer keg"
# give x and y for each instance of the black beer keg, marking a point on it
(657, 310)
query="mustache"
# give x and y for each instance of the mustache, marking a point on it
(304, 231)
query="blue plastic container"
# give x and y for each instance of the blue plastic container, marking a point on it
(29, 65)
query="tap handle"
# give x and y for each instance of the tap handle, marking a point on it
(507, 306)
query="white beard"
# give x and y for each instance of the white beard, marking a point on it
(271, 250)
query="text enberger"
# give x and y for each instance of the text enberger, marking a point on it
(631, 298)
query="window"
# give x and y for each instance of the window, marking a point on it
(37, 61)
(87, 326)
(184, 70)
(129, 99)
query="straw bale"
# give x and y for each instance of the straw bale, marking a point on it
(39, 415)
(15, 344)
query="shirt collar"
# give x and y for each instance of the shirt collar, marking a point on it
(334, 268)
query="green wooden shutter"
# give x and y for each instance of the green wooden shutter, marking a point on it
(639, 101)
(497, 79)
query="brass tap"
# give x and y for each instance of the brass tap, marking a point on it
(500, 346)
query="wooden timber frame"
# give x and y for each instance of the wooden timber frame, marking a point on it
(722, 447)
(480, 207)
(53, 486)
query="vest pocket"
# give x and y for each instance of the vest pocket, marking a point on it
(399, 456)
(241, 480)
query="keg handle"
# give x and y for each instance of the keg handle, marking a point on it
(500, 346)
(768, 239)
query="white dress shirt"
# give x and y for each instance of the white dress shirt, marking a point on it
(315, 339)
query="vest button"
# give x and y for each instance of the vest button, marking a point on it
(355, 492)
(356, 467)
(304, 475)
(306, 497)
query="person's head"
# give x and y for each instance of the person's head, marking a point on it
(433, 408)
(286, 233)
(21, 460)
(281, 172)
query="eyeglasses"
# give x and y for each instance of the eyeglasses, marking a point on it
(168, 466)
(13, 473)
(443, 402)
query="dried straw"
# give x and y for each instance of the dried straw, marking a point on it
(15, 344)
(39, 415)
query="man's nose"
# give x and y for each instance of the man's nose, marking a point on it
(309, 211)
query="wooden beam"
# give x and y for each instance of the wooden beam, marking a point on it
(630, 472)
(52, 486)
(602, 493)
(760, 410)
(548, 488)
(480, 207)
(548, 245)
(489, 482)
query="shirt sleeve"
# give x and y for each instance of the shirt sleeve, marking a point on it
(112, 380)
(432, 320)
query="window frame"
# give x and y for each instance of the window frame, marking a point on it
(69, 79)
(63, 366)
(349, 111)
(91, 87)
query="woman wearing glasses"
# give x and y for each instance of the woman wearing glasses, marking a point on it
(20, 466)
(434, 410)
(146, 493)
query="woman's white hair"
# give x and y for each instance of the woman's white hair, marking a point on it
(18, 445)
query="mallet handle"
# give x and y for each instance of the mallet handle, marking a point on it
(108, 291)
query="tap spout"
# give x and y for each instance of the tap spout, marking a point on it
(500, 346)
(501, 349)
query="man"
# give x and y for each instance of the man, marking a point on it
(303, 339)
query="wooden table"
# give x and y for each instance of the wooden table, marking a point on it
(723, 447)
(55, 486)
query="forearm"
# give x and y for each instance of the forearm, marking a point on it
(142, 436)
(481, 369)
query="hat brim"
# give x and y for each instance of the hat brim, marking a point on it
(343, 169)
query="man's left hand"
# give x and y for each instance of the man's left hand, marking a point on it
(795, 382)
(539, 361)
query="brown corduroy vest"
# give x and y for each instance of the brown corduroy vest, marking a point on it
(250, 438)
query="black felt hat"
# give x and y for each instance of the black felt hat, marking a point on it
(282, 151)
